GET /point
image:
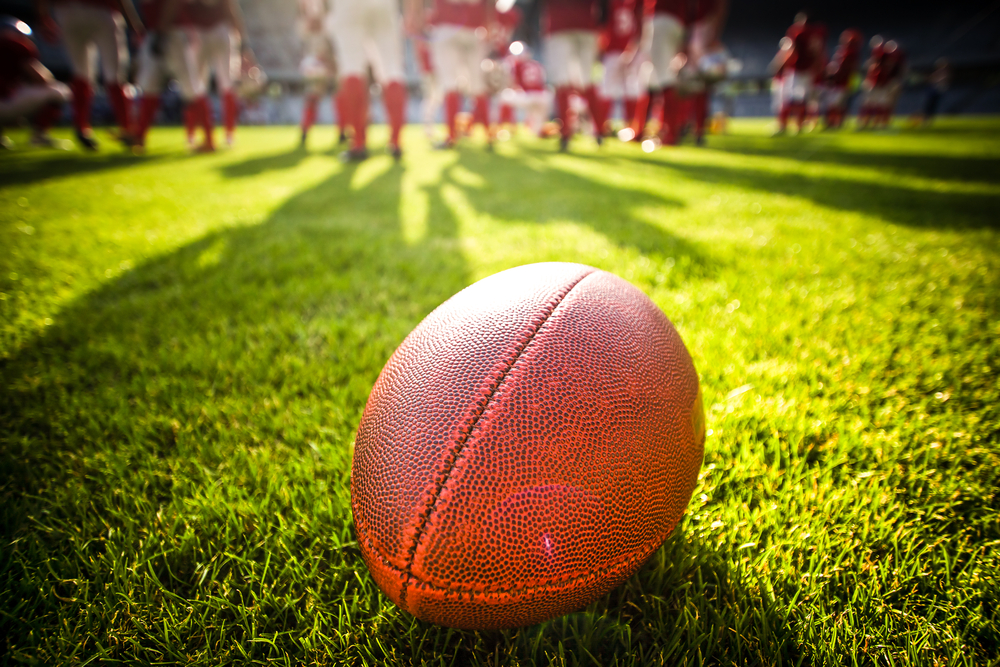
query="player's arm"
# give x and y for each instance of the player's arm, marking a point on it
(240, 23)
(784, 53)
(646, 33)
(719, 21)
(414, 17)
(128, 11)
(47, 25)
(34, 72)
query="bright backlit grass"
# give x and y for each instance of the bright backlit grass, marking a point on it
(187, 343)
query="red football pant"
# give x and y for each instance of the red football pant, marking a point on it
(199, 112)
(506, 115)
(309, 112)
(83, 96)
(481, 112)
(394, 98)
(354, 94)
(640, 115)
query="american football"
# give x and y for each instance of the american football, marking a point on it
(526, 448)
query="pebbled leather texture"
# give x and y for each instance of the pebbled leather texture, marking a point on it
(529, 445)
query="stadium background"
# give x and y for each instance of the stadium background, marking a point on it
(967, 33)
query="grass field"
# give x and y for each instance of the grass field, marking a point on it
(187, 344)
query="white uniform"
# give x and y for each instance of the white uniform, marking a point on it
(622, 80)
(668, 38)
(570, 56)
(458, 53)
(27, 99)
(179, 61)
(368, 32)
(219, 54)
(91, 30)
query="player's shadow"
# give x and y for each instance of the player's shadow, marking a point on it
(932, 209)
(59, 165)
(827, 150)
(527, 187)
(265, 163)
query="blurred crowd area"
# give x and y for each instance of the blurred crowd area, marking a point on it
(967, 34)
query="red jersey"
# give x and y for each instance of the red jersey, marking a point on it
(890, 67)
(563, 15)
(529, 75)
(207, 13)
(677, 8)
(699, 10)
(16, 51)
(844, 64)
(806, 47)
(462, 13)
(111, 5)
(624, 24)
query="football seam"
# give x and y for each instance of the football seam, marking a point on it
(453, 456)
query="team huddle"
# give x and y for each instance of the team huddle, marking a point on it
(660, 60)
(465, 51)
(188, 41)
(807, 84)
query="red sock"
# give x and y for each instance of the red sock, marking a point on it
(230, 110)
(639, 115)
(309, 112)
(83, 95)
(506, 114)
(631, 106)
(338, 103)
(119, 105)
(355, 106)
(481, 114)
(47, 116)
(205, 116)
(452, 103)
(800, 114)
(191, 111)
(598, 108)
(394, 97)
(147, 111)
(670, 115)
(562, 110)
(783, 113)
(699, 107)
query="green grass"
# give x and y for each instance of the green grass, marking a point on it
(187, 344)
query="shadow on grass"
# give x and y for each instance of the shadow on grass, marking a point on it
(59, 165)
(824, 149)
(900, 205)
(265, 163)
(538, 191)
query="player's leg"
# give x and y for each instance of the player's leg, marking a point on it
(668, 36)
(446, 53)
(387, 37)
(226, 65)
(150, 81)
(349, 41)
(41, 103)
(699, 113)
(586, 54)
(558, 56)
(477, 51)
(112, 46)
(74, 21)
(184, 61)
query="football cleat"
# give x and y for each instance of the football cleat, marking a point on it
(85, 138)
(354, 155)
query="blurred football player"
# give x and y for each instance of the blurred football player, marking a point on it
(318, 66)
(458, 34)
(92, 28)
(222, 49)
(27, 88)
(800, 58)
(840, 74)
(620, 42)
(706, 21)
(663, 31)
(572, 29)
(883, 85)
(368, 33)
(170, 50)
(528, 91)
(508, 18)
